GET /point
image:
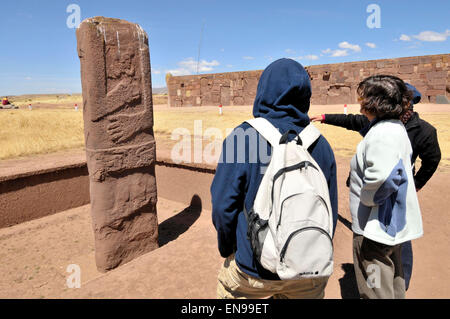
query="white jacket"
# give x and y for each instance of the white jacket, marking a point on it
(383, 198)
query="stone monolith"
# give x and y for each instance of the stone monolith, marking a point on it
(120, 145)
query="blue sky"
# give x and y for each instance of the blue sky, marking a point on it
(38, 53)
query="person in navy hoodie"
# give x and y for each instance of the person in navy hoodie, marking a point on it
(283, 98)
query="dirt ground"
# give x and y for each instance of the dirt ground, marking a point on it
(34, 256)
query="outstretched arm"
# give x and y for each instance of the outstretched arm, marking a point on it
(353, 122)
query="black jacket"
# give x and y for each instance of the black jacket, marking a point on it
(422, 135)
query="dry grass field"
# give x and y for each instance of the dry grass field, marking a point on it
(342, 140)
(24, 132)
(54, 99)
(63, 100)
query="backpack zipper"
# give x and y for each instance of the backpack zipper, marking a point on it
(301, 165)
(320, 197)
(286, 244)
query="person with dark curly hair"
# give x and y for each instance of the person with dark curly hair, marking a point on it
(383, 200)
(423, 136)
(425, 145)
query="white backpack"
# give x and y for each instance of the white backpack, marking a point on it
(290, 225)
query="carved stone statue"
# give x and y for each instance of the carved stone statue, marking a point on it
(120, 145)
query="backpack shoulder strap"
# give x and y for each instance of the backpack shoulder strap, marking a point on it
(266, 129)
(309, 135)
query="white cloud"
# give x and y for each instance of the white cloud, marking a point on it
(203, 66)
(353, 47)
(405, 37)
(28, 78)
(308, 57)
(427, 36)
(189, 66)
(229, 65)
(338, 53)
(248, 57)
(335, 53)
(432, 36)
(289, 51)
(371, 45)
(311, 57)
(222, 50)
(156, 71)
(343, 51)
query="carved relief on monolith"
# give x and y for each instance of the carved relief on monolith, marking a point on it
(120, 146)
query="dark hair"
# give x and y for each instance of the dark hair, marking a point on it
(385, 96)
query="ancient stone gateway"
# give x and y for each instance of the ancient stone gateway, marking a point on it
(120, 146)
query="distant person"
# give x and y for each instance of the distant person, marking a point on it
(5, 101)
(283, 99)
(425, 145)
(383, 199)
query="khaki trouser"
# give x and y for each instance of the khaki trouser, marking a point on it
(378, 269)
(234, 283)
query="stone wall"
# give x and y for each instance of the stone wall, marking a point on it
(331, 83)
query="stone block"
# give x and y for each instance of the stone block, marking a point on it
(406, 69)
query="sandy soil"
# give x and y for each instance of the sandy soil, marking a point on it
(34, 256)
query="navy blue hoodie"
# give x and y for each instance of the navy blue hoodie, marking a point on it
(283, 98)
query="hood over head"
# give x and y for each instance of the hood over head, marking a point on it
(283, 95)
(416, 94)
